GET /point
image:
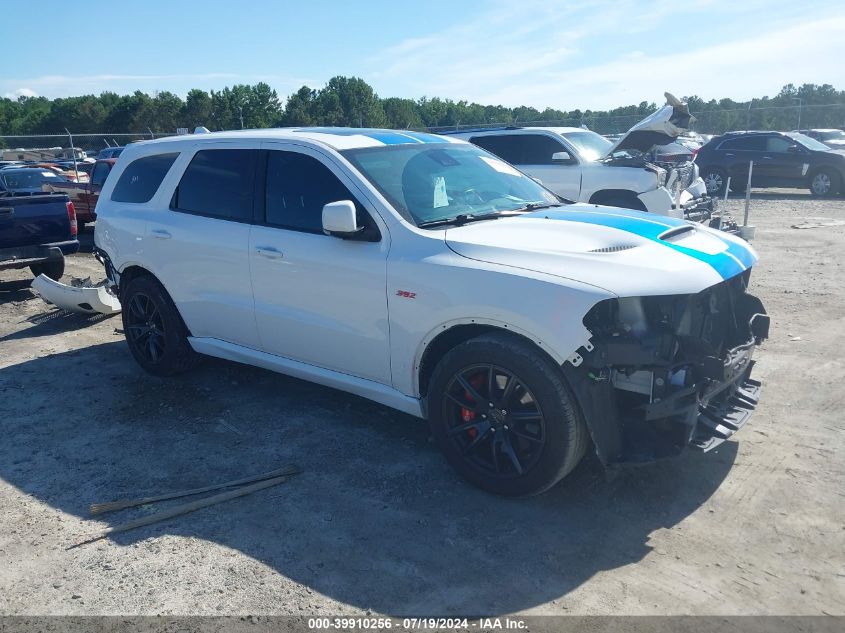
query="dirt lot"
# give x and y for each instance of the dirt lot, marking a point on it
(378, 521)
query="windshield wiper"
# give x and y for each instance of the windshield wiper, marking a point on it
(463, 218)
(533, 206)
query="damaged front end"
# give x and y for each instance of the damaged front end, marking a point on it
(662, 373)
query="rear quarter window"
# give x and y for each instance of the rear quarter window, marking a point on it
(142, 178)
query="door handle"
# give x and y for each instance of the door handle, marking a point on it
(767, 158)
(270, 252)
(731, 155)
(161, 234)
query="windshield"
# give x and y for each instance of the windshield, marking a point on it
(28, 178)
(590, 146)
(809, 143)
(433, 182)
(831, 135)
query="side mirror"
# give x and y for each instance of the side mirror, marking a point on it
(795, 149)
(561, 157)
(339, 219)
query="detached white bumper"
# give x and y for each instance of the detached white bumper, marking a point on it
(84, 300)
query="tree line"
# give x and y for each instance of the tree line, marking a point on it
(350, 101)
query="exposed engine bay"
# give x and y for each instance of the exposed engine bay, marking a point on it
(667, 372)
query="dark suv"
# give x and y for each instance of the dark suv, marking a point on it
(780, 160)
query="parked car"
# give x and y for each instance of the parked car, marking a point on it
(20, 180)
(60, 170)
(833, 138)
(36, 232)
(85, 194)
(109, 152)
(584, 166)
(781, 159)
(424, 273)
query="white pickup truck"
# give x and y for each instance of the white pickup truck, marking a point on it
(584, 166)
(428, 275)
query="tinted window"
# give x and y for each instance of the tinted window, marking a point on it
(218, 183)
(537, 149)
(745, 143)
(778, 144)
(101, 171)
(141, 178)
(521, 149)
(298, 187)
(506, 147)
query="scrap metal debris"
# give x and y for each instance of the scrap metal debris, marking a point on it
(257, 482)
(818, 225)
(81, 296)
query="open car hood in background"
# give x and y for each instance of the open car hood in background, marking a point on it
(659, 128)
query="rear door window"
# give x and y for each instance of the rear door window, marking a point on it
(140, 180)
(218, 183)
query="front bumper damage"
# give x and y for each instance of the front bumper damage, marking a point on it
(664, 374)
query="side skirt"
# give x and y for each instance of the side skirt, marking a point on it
(383, 394)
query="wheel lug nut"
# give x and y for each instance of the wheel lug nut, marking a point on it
(506, 427)
(483, 416)
(490, 404)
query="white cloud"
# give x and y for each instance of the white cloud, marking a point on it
(606, 54)
(20, 92)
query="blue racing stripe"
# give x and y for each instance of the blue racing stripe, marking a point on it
(651, 227)
(388, 137)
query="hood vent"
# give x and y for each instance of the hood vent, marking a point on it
(613, 249)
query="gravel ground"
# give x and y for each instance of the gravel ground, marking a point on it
(378, 522)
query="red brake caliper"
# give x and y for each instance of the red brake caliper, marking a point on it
(467, 415)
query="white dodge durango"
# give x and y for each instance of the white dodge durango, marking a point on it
(428, 275)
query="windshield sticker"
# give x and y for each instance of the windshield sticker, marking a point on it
(500, 166)
(440, 197)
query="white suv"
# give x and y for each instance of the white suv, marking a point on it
(430, 276)
(581, 165)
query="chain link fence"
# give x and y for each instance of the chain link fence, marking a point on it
(783, 118)
(45, 147)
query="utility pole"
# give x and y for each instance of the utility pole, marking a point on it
(241, 113)
(800, 104)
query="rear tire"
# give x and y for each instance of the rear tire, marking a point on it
(825, 182)
(155, 332)
(530, 438)
(54, 269)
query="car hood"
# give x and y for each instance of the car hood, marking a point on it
(659, 128)
(627, 253)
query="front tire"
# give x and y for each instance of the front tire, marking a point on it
(155, 332)
(53, 269)
(825, 182)
(504, 416)
(715, 180)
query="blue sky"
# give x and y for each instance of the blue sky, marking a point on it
(584, 54)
